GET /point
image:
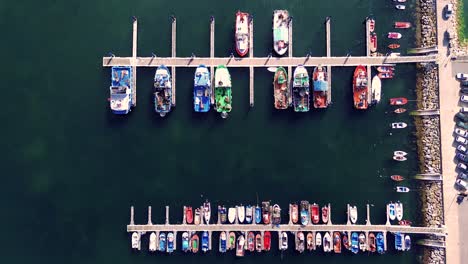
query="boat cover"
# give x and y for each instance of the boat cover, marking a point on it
(201, 79)
(121, 76)
(281, 34)
(320, 86)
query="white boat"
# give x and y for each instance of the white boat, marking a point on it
(242, 33)
(407, 242)
(170, 242)
(399, 158)
(240, 246)
(327, 242)
(402, 189)
(232, 215)
(198, 218)
(241, 213)
(362, 242)
(400, 7)
(353, 214)
(281, 21)
(391, 211)
(318, 239)
(207, 212)
(399, 211)
(136, 240)
(399, 125)
(152, 242)
(249, 214)
(284, 241)
(399, 153)
(376, 89)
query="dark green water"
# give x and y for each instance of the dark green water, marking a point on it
(71, 169)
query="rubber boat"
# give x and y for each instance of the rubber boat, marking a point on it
(394, 35)
(310, 241)
(281, 21)
(360, 87)
(258, 214)
(232, 240)
(198, 216)
(195, 243)
(240, 246)
(320, 95)
(399, 125)
(152, 242)
(280, 89)
(400, 7)
(207, 211)
(398, 242)
(397, 178)
(371, 25)
(284, 241)
(185, 242)
(385, 69)
(325, 214)
(400, 110)
(336, 242)
(223, 91)
(314, 213)
(393, 46)
(380, 243)
(232, 215)
(248, 214)
(205, 241)
(399, 211)
(276, 215)
(251, 241)
(376, 89)
(385, 75)
(222, 214)
(318, 239)
(354, 242)
(258, 243)
(304, 213)
(266, 213)
(242, 33)
(300, 242)
(189, 215)
(402, 24)
(372, 244)
(300, 90)
(162, 242)
(399, 153)
(294, 213)
(391, 211)
(398, 101)
(399, 158)
(353, 214)
(362, 242)
(327, 242)
(121, 90)
(170, 242)
(222, 242)
(407, 242)
(345, 241)
(162, 91)
(202, 89)
(241, 214)
(404, 222)
(266, 241)
(373, 42)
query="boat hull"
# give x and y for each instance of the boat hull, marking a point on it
(320, 95)
(360, 88)
(242, 33)
(281, 94)
(281, 31)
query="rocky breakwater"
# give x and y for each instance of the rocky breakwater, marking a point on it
(426, 22)
(427, 86)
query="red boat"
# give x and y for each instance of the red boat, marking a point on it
(189, 215)
(373, 42)
(394, 35)
(360, 88)
(345, 241)
(294, 213)
(385, 75)
(325, 214)
(404, 222)
(385, 69)
(371, 242)
(402, 24)
(397, 178)
(251, 241)
(314, 213)
(371, 25)
(398, 101)
(400, 110)
(336, 242)
(394, 46)
(242, 33)
(266, 241)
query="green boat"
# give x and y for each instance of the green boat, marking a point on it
(281, 93)
(223, 93)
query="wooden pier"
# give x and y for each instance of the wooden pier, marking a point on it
(134, 59)
(173, 54)
(251, 69)
(329, 72)
(290, 55)
(212, 55)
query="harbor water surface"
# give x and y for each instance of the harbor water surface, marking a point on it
(71, 169)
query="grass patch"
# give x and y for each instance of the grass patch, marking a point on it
(461, 23)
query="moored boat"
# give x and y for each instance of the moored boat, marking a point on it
(399, 153)
(222, 242)
(353, 214)
(170, 242)
(304, 212)
(404, 222)
(399, 158)
(393, 46)
(202, 89)
(189, 215)
(310, 241)
(318, 239)
(232, 240)
(205, 241)
(258, 243)
(327, 242)
(241, 214)
(258, 214)
(354, 242)
(300, 90)
(240, 246)
(397, 178)
(162, 91)
(284, 241)
(242, 33)
(223, 91)
(198, 217)
(399, 211)
(391, 211)
(394, 35)
(398, 101)
(320, 95)
(407, 242)
(399, 125)
(399, 24)
(152, 242)
(121, 90)
(325, 214)
(400, 110)
(300, 240)
(276, 215)
(385, 69)
(360, 87)
(280, 89)
(345, 241)
(314, 213)
(362, 242)
(373, 42)
(281, 21)
(398, 242)
(400, 7)
(207, 211)
(385, 75)
(376, 89)
(185, 242)
(162, 242)
(372, 243)
(294, 213)
(380, 243)
(266, 213)
(222, 214)
(266, 241)
(232, 215)
(248, 214)
(251, 241)
(194, 243)
(371, 25)
(336, 242)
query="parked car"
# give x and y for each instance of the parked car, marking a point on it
(461, 140)
(462, 116)
(448, 11)
(464, 83)
(461, 132)
(462, 157)
(462, 124)
(464, 98)
(464, 110)
(462, 166)
(461, 76)
(462, 149)
(460, 185)
(462, 176)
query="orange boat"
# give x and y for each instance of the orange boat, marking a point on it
(337, 242)
(400, 110)
(373, 42)
(394, 46)
(266, 241)
(397, 178)
(360, 88)
(398, 101)
(402, 24)
(294, 213)
(189, 215)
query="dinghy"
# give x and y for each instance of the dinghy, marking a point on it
(400, 110)
(402, 189)
(391, 211)
(398, 125)
(399, 153)
(397, 178)
(399, 158)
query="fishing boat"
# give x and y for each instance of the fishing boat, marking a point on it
(240, 246)
(248, 214)
(371, 25)
(222, 242)
(318, 239)
(391, 211)
(320, 95)
(360, 87)
(399, 158)
(207, 211)
(400, 7)
(380, 243)
(222, 214)
(393, 46)
(373, 42)
(276, 215)
(362, 242)
(404, 222)
(304, 213)
(232, 215)
(353, 214)
(258, 214)
(242, 33)
(300, 90)
(198, 216)
(310, 241)
(251, 241)
(385, 75)
(202, 89)
(189, 215)
(300, 242)
(162, 242)
(280, 89)
(372, 244)
(407, 242)
(162, 91)
(294, 213)
(223, 92)
(376, 89)
(284, 241)
(325, 214)
(205, 241)
(400, 110)
(398, 101)
(281, 21)
(170, 242)
(327, 242)
(194, 243)
(185, 242)
(354, 242)
(152, 242)
(121, 90)
(399, 153)
(232, 240)
(399, 125)
(385, 69)
(314, 213)
(397, 178)
(345, 241)
(402, 24)
(394, 35)
(336, 242)
(241, 214)
(398, 242)
(258, 243)
(266, 241)
(399, 211)
(266, 213)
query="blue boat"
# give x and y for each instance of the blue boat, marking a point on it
(121, 90)
(162, 242)
(258, 214)
(205, 241)
(354, 242)
(162, 91)
(304, 212)
(248, 214)
(185, 242)
(398, 242)
(222, 242)
(170, 242)
(407, 242)
(202, 89)
(380, 243)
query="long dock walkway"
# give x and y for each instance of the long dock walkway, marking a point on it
(429, 177)
(212, 54)
(433, 112)
(134, 59)
(173, 53)
(251, 69)
(329, 72)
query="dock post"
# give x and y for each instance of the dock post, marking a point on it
(347, 213)
(329, 73)
(167, 214)
(385, 240)
(290, 53)
(253, 216)
(368, 222)
(134, 59)
(367, 37)
(236, 221)
(367, 240)
(184, 216)
(175, 240)
(327, 30)
(314, 246)
(212, 43)
(219, 216)
(369, 84)
(210, 233)
(290, 215)
(251, 69)
(149, 216)
(388, 217)
(246, 233)
(131, 216)
(262, 233)
(173, 53)
(157, 240)
(202, 215)
(329, 215)
(279, 240)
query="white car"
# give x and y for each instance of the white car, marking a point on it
(461, 76)
(461, 185)
(448, 10)
(461, 148)
(464, 110)
(461, 140)
(464, 98)
(461, 132)
(462, 166)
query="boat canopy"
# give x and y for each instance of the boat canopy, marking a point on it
(301, 80)
(202, 79)
(281, 34)
(281, 79)
(121, 76)
(320, 86)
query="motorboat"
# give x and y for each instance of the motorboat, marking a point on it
(232, 241)
(162, 242)
(197, 220)
(373, 42)
(398, 242)
(240, 246)
(399, 158)
(251, 241)
(266, 241)
(202, 89)
(318, 239)
(294, 213)
(195, 243)
(325, 214)
(399, 125)
(152, 242)
(300, 242)
(222, 214)
(207, 211)
(391, 211)
(376, 89)
(398, 101)
(284, 241)
(310, 241)
(314, 213)
(281, 91)
(258, 243)
(399, 24)
(276, 215)
(122, 92)
(266, 213)
(242, 33)
(400, 7)
(407, 242)
(232, 215)
(399, 153)
(222, 242)
(393, 46)
(394, 35)
(385, 75)
(241, 214)
(360, 88)
(362, 242)
(223, 91)
(170, 242)
(399, 211)
(258, 214)
(162, 91)
(353, 214)
(205, 241)
(301, 89)
(400, 110)
(304, 213)
(399, 1)
(371, 25)
(185, 242)
(397, 178)
(354, 242)
(336, 242)
(372, 243)
(327, 242)
(404, 222)
(189, 215)
(345, 241)
(248, 214)
(136, 240)
(281, 39)
(380, 243)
